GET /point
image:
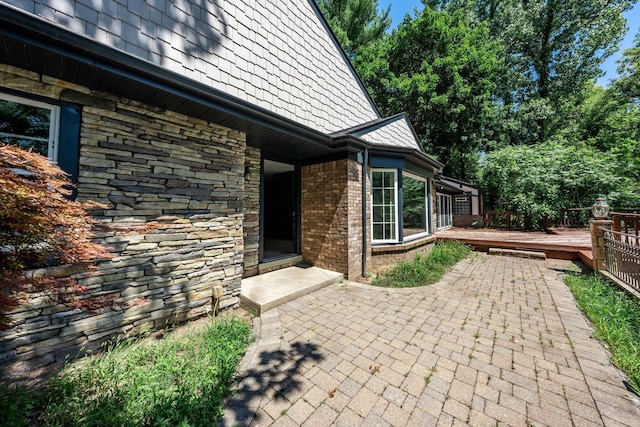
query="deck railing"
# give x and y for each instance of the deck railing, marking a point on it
(566, 218)
(622, 248)
(628, 223)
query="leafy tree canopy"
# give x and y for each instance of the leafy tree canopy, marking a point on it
(629, 70)
(442, 73)
(356, 23)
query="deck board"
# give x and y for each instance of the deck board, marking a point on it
(571, 244)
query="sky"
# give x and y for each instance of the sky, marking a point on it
(401, 7)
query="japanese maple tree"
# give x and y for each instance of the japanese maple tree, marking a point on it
(40, 226)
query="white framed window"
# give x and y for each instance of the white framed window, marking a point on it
(384, 205)
(445, 211)
(415, 218)
(30, 124)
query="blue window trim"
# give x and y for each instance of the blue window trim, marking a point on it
(69, 140)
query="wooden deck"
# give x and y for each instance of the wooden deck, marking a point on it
(570, 244)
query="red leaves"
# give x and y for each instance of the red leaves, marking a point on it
(40, 226)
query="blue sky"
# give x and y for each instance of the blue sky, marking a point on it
(401, 7)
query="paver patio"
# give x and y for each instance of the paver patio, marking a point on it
(498, 341)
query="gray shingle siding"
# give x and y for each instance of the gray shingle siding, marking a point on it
(275, 54)
(397, 134)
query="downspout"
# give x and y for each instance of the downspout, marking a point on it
(365, 171)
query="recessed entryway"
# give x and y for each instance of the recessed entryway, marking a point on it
(280, 218)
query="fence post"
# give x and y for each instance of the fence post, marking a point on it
(597, 227)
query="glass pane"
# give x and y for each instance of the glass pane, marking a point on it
(378, 214)
(377, 179)
(377, 232)
(26, 126)
(414, 206)
(387, 231)
(377, 197)
(388, 179)
(388, 196)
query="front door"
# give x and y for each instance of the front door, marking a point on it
(280, 213)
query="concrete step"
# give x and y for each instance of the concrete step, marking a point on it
(518, 253)
(267, 291)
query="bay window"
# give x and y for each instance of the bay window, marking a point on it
(414, 206)
(384, 206)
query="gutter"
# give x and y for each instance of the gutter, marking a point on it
(365, 172)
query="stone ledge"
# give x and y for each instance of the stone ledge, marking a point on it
(403, 247)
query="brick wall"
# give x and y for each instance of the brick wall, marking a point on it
(176, 189)
(389, 255)
(468, 220)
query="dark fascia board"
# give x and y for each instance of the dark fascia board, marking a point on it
(35, 31)
(353, 143)
(447, 180)
(333, 37)
(446, 188)
(370, 126)
(457, 181)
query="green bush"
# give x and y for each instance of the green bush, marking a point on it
(424, 269)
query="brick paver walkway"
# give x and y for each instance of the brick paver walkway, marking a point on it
(498, 341)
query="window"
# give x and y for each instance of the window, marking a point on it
(52, 130)
(384, 191)
(414, 206)
(462, 205)
(445, 211)
(30, 125)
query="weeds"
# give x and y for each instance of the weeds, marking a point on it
(615, 317)
(170, 381)
(424, 269)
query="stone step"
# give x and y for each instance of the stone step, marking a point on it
(267, 291)
(517, 253)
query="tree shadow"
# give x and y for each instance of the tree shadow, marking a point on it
(196, 28)
(277, 372)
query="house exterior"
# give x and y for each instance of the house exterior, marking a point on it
(228, 138)
(458, 203)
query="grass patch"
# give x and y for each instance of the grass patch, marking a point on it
(172, 381)
(424, 269)
(615, 317)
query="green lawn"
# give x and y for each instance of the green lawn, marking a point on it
(424, 269)
(615, 317)
(173, 381)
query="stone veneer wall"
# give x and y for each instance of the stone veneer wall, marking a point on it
(176, 189)
(330, 229)
(251, 227)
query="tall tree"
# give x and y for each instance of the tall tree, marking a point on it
(442, 73)
(356, 23)
(552, 49)
(628, 82)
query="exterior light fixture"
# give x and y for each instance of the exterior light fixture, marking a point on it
(600, 209)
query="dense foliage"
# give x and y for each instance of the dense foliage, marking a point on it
(39, 227)
(480, 79)
(356, 23)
